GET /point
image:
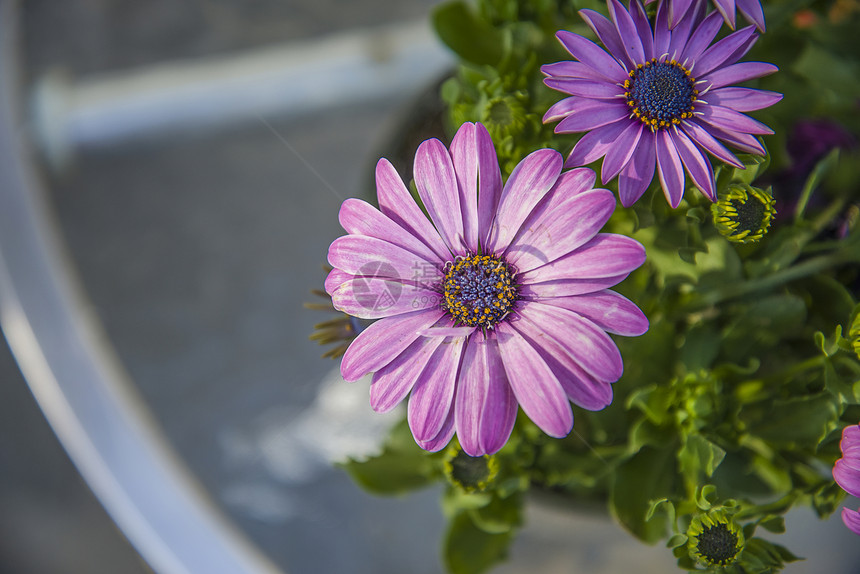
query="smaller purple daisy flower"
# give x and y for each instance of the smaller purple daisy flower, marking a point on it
(660, 98)
(846, 473)
(751, 9)
(500, 299)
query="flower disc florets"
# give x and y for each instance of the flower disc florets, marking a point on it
(714, 539)
(661, 93)
(478, 290)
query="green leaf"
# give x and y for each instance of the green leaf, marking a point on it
(646, 433)
(469, 550)
(471, 37)
(701, 347)
(500, 515)
(799, 421)
(646, 476)
(402, 466)
(827, 498)
(763, 557)
(699, 457)
(775, 524)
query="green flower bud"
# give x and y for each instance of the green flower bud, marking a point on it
(469, 473)
(714, 539)
(743, 213)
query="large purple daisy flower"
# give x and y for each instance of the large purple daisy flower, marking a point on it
(500, 299)
(751, 9)
(660, 97)
(846, 473)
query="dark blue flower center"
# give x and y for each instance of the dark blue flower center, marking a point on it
(661, 93)
(478, 290)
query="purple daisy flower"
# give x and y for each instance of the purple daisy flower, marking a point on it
(658, 98)
(500, 299)
(846, 473)
(751, 9)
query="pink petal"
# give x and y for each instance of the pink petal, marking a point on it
(591, 55)
(702, 38)
(608, 34)
(368, 256)
(737, 73)
(626, 31)
(464, 154)
(608, 310)
(383, 341)
(643, 30)
(636, 176)
(846, 477)
(607, 255)
(335, 279)
(442, 439)
(489, 182)
(745, 142)
(753, 12)
(564, 333)
(433, 392)
(534, 385)
(677, 10)
(680, 35)
(743, 99)
(571, 69)
(568, 287)
(437, 187)
(529, 182)
(594, 145)
(720, 52)
(850, 443)
(555, 229)
(376, 297)
(670, 169)
(851, 518)
(728, 119)
(485, 407)
(597, 89)
(727, 9)
(701, 136)
(697, 164)
(621, 152)
(393, 382)
(358, 217)
(397, 204)
(593, 117)
(580, 387)
(662, 35)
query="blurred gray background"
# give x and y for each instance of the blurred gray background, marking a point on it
(196, 241)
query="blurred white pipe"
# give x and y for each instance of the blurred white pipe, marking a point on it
(285, 81)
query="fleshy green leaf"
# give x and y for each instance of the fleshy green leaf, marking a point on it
(699, 457)
(471, 37)
(646, 476)
(469, 550)
(798, 421)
